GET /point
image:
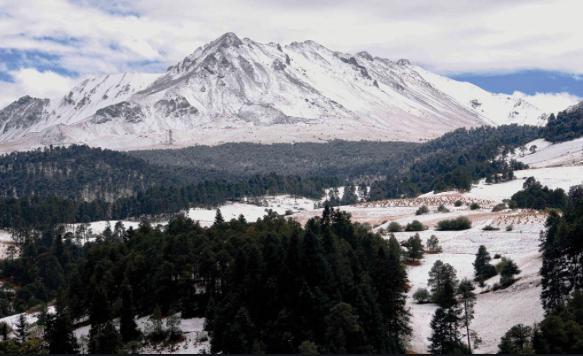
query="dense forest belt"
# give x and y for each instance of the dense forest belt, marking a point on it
(272, 286)
(335, 158)
(43, 211)
(79, 183)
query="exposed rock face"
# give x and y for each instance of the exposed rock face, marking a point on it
(175, 107)
(22, 114)
(128, 112)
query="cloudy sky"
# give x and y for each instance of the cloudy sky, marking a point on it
(531, 46)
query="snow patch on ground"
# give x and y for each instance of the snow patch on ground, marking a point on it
(281, 204)
(496, 311)
(552, 177)
(548, 154)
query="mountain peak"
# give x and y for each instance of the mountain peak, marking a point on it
(228, 39)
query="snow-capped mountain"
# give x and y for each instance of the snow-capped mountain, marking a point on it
(236, 89)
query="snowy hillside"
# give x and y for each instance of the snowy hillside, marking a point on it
(234, 90)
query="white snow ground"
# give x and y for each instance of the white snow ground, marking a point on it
(495, 311)
(551, 155)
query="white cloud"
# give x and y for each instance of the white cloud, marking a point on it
(445, 36)
(34, 83)
(448, 36)
(551, 102)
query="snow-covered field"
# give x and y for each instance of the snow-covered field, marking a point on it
(547, 154)
(553, 177)
(496, 311)
(281, 204)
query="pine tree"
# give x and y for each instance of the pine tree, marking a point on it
(517, 340)
(4, 330)
(21, 329)
(173, 327)
(467, 298)
(414, 247)
(390, 278)
(482, 267)
(433, 245)
(445, 337)
(127, 325)
(104, 339)
(219, 220)
(62, 340)
(507, 269)
(344, 333)
(103, 336)
(442, 283)
(156, 328)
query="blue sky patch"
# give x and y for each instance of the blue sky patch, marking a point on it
(42, 61)
(527, 81)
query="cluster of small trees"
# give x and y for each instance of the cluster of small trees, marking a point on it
(567, 125)
(535, 196)
(484, 270)
(456, 300)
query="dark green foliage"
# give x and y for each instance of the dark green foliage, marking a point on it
(459, 223)
(567, 125)
(21, 329)
(517, 340)
(433, 245)
(467, 299)
(44, 265)
(483, 270)
(128, 328)
(458, 203)
(562, 330)
(507, 269)
(343, 159)
(490, 228)
(455, 160)
(423, 209)
(415, 225)
(269, 286)
(449, 317)
(59, 329)
(46, 211)
(394, 227)
(499, 207)
(442, 209)
(414, 247)
(562, 251)
(422, 295)
(5, 329)
(80, 173)
(474, 206)
(446, 338)
(443, 283)
(535, 196)
(349, 196)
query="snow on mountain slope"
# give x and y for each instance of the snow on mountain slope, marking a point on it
(234, 90)
(496, 109)
(547, 154)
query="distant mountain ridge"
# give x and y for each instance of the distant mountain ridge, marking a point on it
(239, 90)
